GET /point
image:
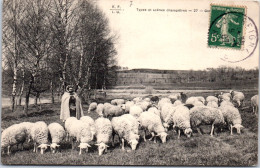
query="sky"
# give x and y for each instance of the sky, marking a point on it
(173, 40)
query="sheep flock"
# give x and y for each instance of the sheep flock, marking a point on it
(132, 121)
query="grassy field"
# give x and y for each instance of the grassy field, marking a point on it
(199, 150)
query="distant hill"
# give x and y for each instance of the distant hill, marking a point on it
(224, 77)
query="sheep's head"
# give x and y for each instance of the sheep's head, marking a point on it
(54, 147)
(43, 147)
(123, 106)
(188, 132)
(133, 143)
(238, 127)
(83, 146)
(163, 136)
(166, 126)
(101, 148)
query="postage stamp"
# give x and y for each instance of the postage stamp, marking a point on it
(226, 26)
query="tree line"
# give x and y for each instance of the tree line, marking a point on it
(49, 44)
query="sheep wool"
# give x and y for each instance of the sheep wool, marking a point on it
(152, 122)
(134, 121)
(92, 107)
(103, 134)
(91, 124)
(226, 103)
(143, 104)
(181, 120)
(15, 134)
(232, 118)
(254, 103)
(28, 126)
(112, 110)
(162, 101)
(212, 104)
(205, 115)
(176, 103)
(128, 104)
(57, 134)
(39, 134)
(154, 110)
(81, 131)
(123, 128)
(68, 124)
(135, 111)
(238, 98)
(117, 101)
(100, 109)
(212, 98)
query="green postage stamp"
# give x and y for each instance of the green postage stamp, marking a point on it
(226, 26)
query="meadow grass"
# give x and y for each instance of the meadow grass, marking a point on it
(200, 150)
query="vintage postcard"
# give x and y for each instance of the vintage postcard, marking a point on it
(130, 82)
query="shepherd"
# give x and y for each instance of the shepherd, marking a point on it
(70, 105)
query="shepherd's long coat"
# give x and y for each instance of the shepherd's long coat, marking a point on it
(65, 111)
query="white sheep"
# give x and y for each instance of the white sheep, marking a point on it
(176, 103)
(174, 97)
(112, 110)
(103, 134)
(28, 126)
(254, 103)
(100, 109)
(13, 135)
(212, 98)
(135, 111)
(224, 97)
(80, 131)
(192, 100)
(117, 101)
(92, 107)
(163, 101)
(226, 103)
(154, 110)
(167, 111)
(232, 118)
(68, 124)
(147, 99)
(91, 124)
(134, 121)
(202, 99)
(39, 134)
(237, 97)
(181, 120)
(152, 123)
(143, 104)
(57, 134)
(128, 104)
(212, 104)
(205, 115)
(198, 103)
(137, 99)
(123, 127)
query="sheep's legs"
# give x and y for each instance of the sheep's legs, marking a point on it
(72, 145)
(231, 130)
(8, 150)
(80, 151)
(152, 136)
(34, 147)
(212, 130)
(123, 144)
(179, 133)
(144, 135)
